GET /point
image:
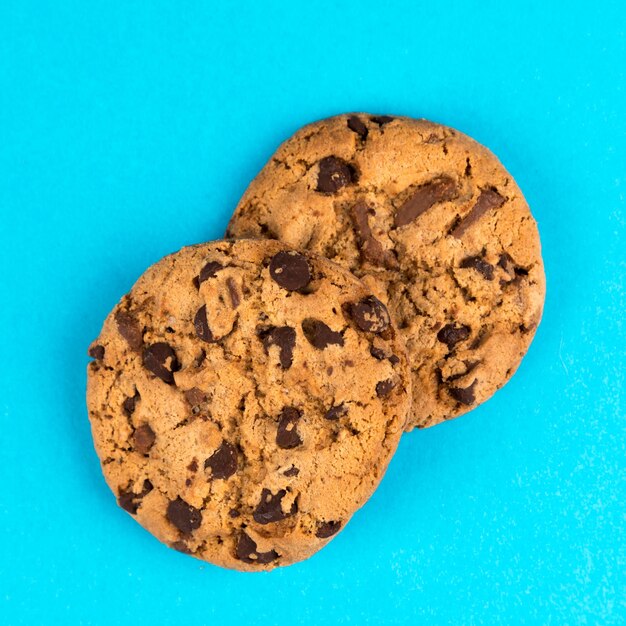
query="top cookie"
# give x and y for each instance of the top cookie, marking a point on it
(245, 401)
(435, 226)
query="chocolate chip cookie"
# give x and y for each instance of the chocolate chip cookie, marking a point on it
(245, 400)
(434, 225)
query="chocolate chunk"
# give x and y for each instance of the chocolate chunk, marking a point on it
(130, 501)
(208, 271)
(442, 189)
(334, 174)
(319, 335)
(487, 200)
(327, 529)
(290, 270)
(433, 138)
(381, 120)
(384, 387)
(287, 436)
(184, 516)
(202, 326)
(482, 336)
(480, 265)
(234, 293)
(269, 508)
(335, 412)
(292, 471)
(246, 551)
(96, 352)
(506, 263)
(377, 353)
(130, 404)
(469, 366)
(143, 439)
(181, 546)
(358, 126)
(160, 359)
(463, 395)
(370, 315)
(129, 328)
(452, 333)
(195, 397)
(282, 336)
(370, 248)
(223, 462)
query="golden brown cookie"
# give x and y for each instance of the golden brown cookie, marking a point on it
(245, 401)
(434, 225)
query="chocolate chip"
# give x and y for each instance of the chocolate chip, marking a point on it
(234, 513)
(487, 200)
(463, 395)
(394, 360)
(442, 189)
(223, 462)
(130, 501)
(384, 387)
(319, 335)
(335, 412)
(433, 138)
(181, 546)
(282, 336)
(370, 315)
(286, 435)
(202, 326)
(160, 359)
(377, 353)
(334, 174)
(130, 404)
(327, 529)
(381, 120)
(452, 333)
(195, 397)
(193, 466)
(269, 508)
(290, 270)
(234, 294)
(479, 339)
(246, 551)
(506, 263)
(370, 248)
(208, 271)
(143, 439)
(96, 352)
(468, 167)
(480, 265)
(129, 328)
(357, 125)
(292, 471)
(184, 516)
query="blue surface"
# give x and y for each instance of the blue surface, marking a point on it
(127, 131)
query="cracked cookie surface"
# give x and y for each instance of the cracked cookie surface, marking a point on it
(245, 401)
(436, 227)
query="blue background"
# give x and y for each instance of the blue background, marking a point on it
(129, 129)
